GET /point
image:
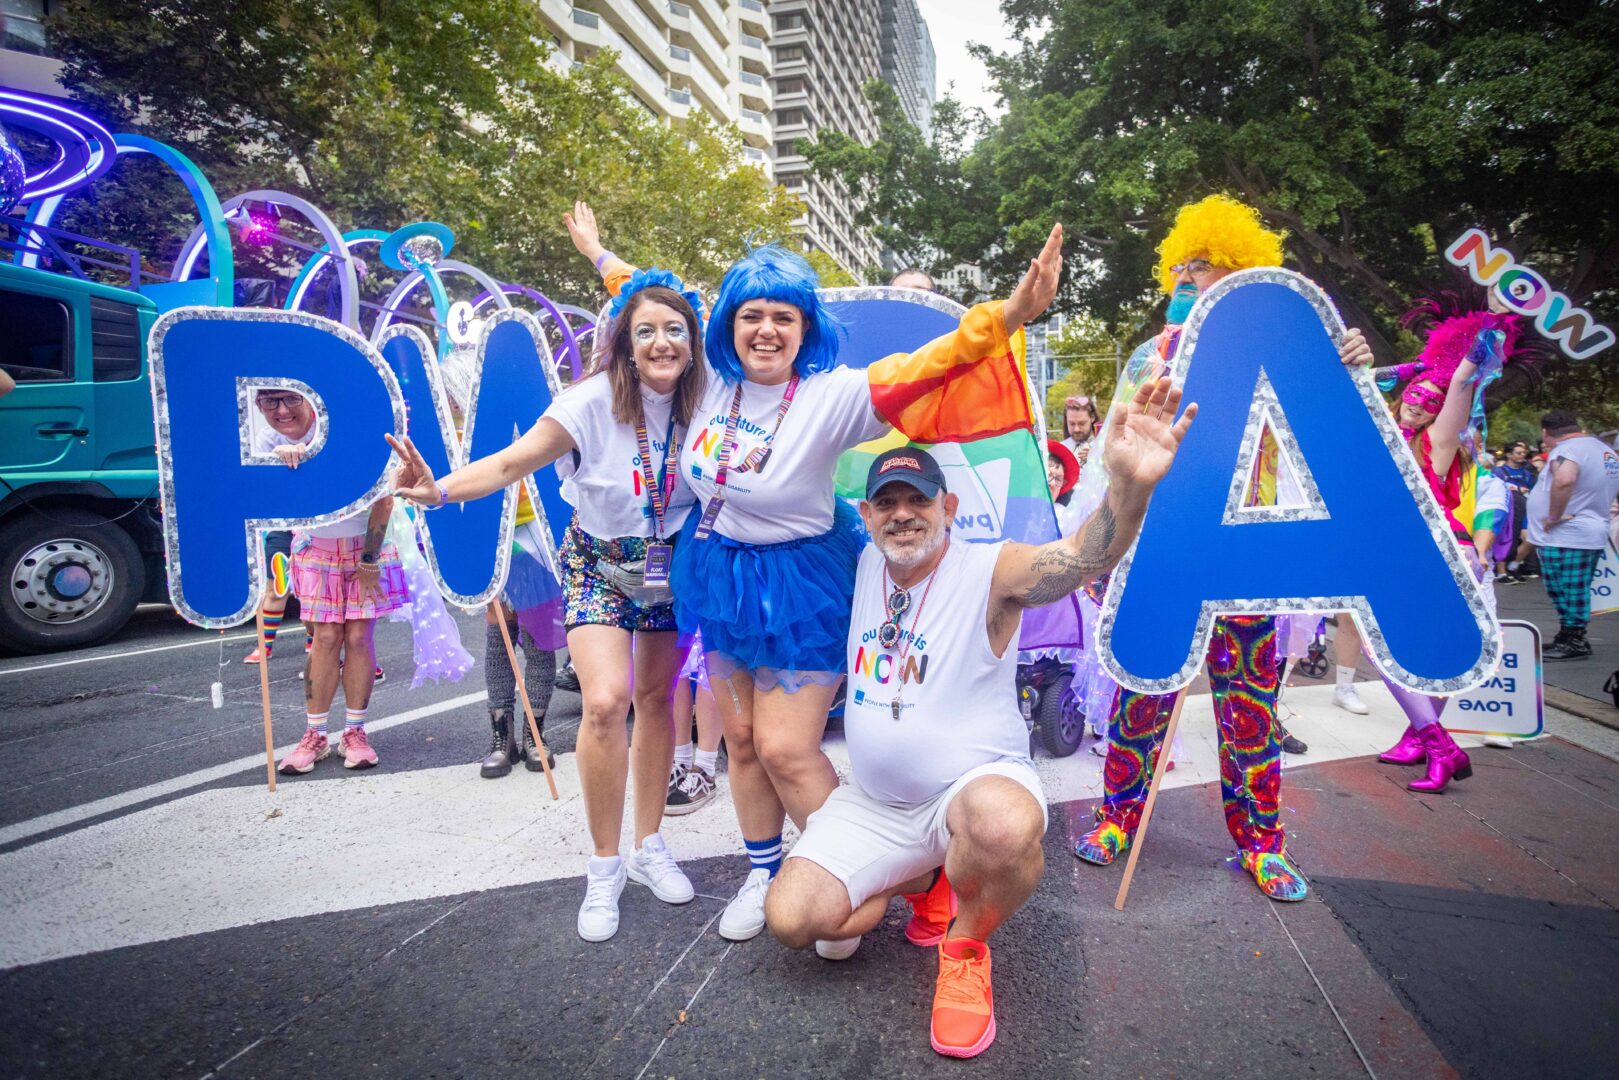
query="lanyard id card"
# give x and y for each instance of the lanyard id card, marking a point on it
(659, 492)
(658, 558)
(755, 461)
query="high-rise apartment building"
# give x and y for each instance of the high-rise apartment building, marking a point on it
(825, 51)
(908, 62)
(708, 55)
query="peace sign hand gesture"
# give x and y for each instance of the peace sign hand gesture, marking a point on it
(415, 480)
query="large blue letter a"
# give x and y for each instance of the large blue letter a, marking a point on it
(1374, 541)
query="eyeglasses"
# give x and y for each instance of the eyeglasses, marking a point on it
(1195, 266)
(1079, 402)
(276, 402)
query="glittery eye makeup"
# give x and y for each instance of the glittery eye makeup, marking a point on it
(646, 333)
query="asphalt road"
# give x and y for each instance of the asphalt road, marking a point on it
(167, 917)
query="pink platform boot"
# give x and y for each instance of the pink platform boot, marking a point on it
(1408, 751)
(1446, 760)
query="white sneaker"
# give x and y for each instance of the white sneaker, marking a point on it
(837, 950)
(654, 867)
(1347, 699)
(598, 915)
(745, 915)
(1099, 748)
(1500, 742)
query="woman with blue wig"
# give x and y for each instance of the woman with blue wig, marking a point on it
(766, 570)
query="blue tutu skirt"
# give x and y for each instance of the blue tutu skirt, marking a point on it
(777, 611)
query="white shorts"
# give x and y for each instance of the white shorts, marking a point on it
(873, 846)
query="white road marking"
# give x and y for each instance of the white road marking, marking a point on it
(127, 652)
(217, 859)
(22, 830)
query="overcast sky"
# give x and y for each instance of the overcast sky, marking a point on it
(954, 24)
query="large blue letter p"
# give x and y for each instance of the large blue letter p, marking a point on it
(217, 494)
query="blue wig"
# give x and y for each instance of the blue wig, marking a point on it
(772, 272)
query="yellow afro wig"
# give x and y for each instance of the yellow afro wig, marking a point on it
(1221, 230)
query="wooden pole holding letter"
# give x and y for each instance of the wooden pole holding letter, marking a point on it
(264, 698)
(499, 610)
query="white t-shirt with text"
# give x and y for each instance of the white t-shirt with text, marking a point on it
(792, 498)
(605, 487)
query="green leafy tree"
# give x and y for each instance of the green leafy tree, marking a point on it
(386, 112)
(1373, 133)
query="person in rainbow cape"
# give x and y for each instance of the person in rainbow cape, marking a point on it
(765, 569)
(1209, 240)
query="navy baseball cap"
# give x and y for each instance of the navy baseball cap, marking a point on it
(907, 464)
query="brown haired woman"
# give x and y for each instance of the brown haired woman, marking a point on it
(615, 436)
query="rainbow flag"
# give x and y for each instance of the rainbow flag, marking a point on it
(969, 386)
(981, 432)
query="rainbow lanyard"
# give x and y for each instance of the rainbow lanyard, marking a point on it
(658, 492)
(755, 461)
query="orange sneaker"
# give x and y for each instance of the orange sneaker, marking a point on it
(931, 912)
(963, 1003)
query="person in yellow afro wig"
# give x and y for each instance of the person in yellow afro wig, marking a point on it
(1222, 230)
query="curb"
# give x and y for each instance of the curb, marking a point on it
(1598, 712)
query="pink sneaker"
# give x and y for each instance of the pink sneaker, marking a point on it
(311, 748)
(253, 657)
(357, 752)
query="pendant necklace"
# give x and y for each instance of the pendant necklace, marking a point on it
(888, 636)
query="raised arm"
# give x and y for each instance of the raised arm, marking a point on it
(1445, 433)
(968, 384)
(1140, 448)
(586, 237)
(539, 446)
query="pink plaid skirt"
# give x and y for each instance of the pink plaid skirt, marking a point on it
(325, 578)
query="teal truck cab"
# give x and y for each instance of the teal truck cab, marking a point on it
(81, 535)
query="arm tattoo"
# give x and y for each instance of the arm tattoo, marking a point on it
(1058, 569)
(373, 538)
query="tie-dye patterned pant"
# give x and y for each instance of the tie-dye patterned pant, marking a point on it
(1242, 676)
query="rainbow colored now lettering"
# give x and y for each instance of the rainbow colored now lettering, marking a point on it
(1526, 292)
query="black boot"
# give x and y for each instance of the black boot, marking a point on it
(503, 747)
(1574, 647)
(531, 753)
(568, 679)
(1290, 742)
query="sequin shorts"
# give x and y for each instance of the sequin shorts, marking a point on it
(591, 600)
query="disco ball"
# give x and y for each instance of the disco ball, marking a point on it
(13, 172)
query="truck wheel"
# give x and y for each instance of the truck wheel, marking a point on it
(72, 579)
(1057, 716)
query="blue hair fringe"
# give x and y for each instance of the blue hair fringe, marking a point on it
(771, 272)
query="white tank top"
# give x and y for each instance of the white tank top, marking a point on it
(957, 699)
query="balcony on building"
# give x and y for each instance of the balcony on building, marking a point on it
(754, 91)
(689, 31)
(635, 26)
(752, 15)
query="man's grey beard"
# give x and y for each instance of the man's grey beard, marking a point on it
(911, 557)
